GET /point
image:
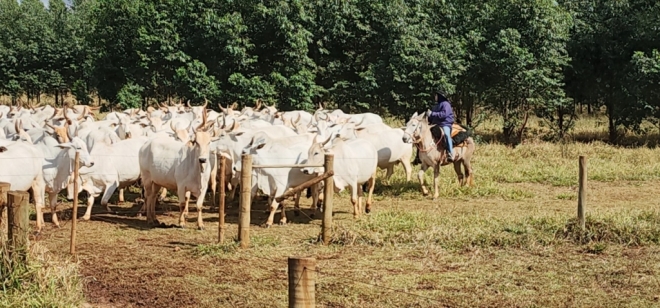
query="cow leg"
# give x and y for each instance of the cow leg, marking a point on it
(163, 195)
(90, 203)
(121, 196)
(388, 175)
(283, 214)
(151, 194)
(107, 193)
(39, 187)
(354, 200)
(184, 197)
(271, 215)
(370, 197)
(315, 198)
(52, 198)
(436, 180)
(360, 197)
(459, 173)
(296, 205)
(407, 167)
(185, 210)
(200, 205)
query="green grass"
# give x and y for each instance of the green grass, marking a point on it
(427, 231)
(40, 282)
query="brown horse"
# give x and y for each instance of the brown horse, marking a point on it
(433, 153)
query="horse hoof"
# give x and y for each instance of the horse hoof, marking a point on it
(200, 228)
(282, 223)
(181, 226)
(266, 226)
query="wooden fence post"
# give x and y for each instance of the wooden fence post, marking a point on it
(244, 213)
(582, 194)
(18, 217)
(4, 189)
(302, 274)
(75, 204)
(221, 202)
(328, 192)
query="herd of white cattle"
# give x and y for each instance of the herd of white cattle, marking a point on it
(177, 147)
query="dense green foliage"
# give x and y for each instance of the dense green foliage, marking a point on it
(514, 58)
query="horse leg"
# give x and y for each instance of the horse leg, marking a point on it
(420, 176)
(459, 173)
(468, 172)
(436, 180)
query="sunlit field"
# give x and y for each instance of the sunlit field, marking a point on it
(511, 240)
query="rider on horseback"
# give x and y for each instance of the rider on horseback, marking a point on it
(442, 116)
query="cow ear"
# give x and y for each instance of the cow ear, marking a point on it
(67, 145)
(3, 149)
(415, 115)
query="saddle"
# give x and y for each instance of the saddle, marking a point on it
(458, 135)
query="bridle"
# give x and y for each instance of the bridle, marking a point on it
(418, 141)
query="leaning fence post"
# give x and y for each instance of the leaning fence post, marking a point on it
(328, 192)
(302, 274)
(18, 218)
(74, 218)
(4, 189)
(221, 202)
(582, 194)
(244, 213)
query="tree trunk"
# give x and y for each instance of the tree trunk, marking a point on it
(589, 111)
(469, 111)
(560, 122)
(611, 126)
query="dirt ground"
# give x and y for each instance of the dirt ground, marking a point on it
(126, 264)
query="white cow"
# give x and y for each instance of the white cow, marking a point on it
(389, 145)
(57, 171)
(22, 169)
(275, 181)
(116, 167)
(355, 162)
(179, 166)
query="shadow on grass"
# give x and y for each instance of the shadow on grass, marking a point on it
(128, 216)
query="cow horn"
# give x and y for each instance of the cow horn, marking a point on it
(221, 108)
(224, 121)
(83, 115)
(234, 105)
(258, 105)
(66, 117)
(150, 109)
(235, 125)
(164, 106)
(320, 106)
(327, 140)
(206, 102)
(51, 126)
(54, 113)
(172, 126)
(188, 104)
(297, 119)
(357, 125)
(17, 125)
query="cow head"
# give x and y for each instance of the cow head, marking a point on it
(77, 145)
(201, 141)
(315, 156)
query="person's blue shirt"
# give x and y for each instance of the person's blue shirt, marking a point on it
(442, 114)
